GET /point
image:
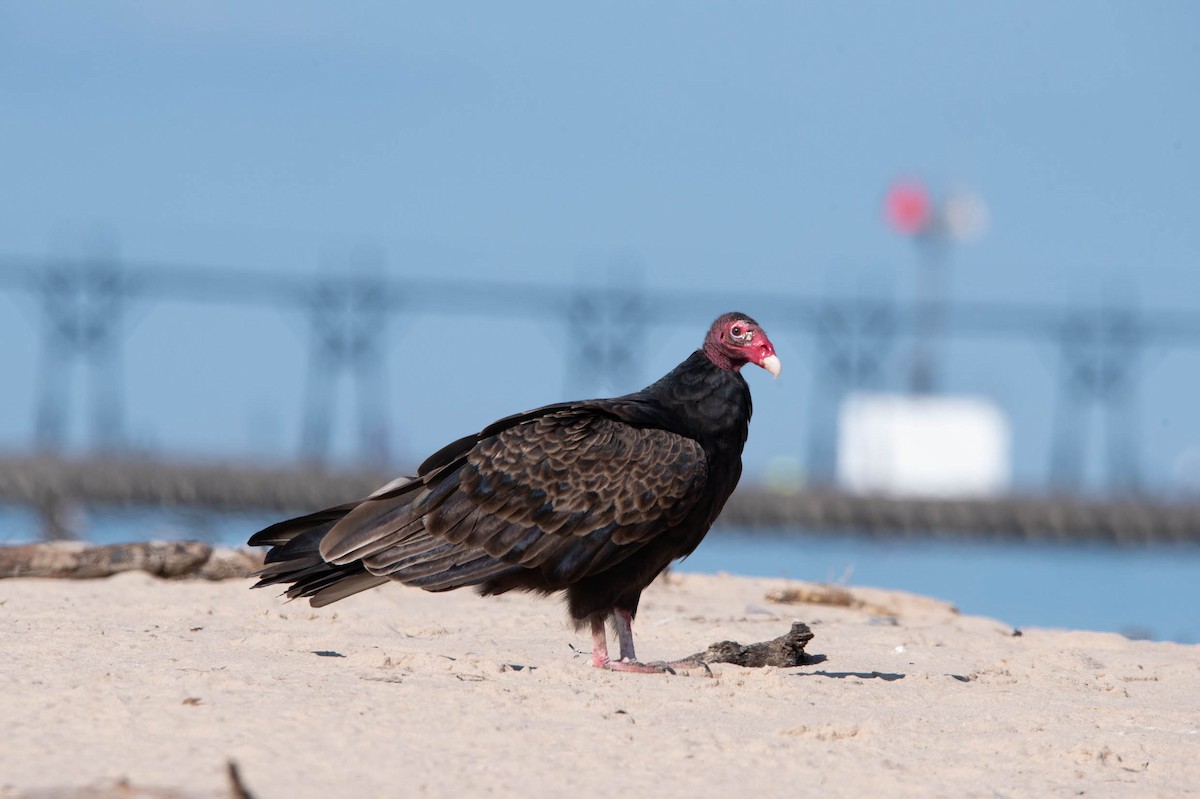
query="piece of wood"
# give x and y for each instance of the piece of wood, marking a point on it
(785, 651)
(815, 594)
(170, 559)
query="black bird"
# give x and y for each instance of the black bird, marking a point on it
(595, 498)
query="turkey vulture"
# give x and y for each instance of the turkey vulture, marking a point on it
(594, 498)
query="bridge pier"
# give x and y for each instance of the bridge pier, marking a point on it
(604, 351)
(852, 343)
(83, 305)
(348, 321)
(1099, 367)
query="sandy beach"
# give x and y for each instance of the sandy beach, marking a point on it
(154, 685)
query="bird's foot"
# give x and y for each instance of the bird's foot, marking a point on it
(687, 666)
(637, 667)
(657, 667)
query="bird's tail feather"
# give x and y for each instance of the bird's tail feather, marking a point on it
(375, 540)
(295, 560)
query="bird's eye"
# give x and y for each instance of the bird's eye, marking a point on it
(740, 333)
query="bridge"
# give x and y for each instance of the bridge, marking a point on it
(53, 485)
(83, 305)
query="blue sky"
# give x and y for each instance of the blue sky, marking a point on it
(723, 146)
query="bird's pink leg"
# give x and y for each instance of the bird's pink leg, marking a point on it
(599, 644)
(627, 662)
(623, 621)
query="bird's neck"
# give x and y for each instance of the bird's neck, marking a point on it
(712, 402)
(719, 357)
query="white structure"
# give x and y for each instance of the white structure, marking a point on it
(932, 446)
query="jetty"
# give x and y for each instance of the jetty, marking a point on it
(56, 486)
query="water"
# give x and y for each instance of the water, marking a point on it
(19, 525)
(1145, 592)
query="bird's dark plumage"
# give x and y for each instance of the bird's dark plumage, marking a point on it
(594, 498)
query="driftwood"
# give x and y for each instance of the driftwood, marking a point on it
(171, 559)
(816, 594)
(785, 651)
(826, 594)
(837, 596)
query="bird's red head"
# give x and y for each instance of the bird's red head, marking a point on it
(735, 340)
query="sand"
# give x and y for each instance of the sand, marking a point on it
(401, 693)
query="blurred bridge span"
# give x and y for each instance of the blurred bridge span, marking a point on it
(54, 485)
(83, 306)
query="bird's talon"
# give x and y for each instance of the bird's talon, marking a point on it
(688, 665)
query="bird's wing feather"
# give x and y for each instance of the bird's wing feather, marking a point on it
(456, 449)
(572, 473)
(568, 491)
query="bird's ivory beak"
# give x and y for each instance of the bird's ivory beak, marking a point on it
(771, 364)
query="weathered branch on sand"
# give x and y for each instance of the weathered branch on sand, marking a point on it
(785, 651)
(171, 559)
